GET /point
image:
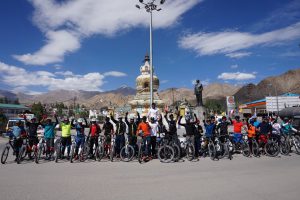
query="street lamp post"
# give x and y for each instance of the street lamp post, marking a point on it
(150, 7)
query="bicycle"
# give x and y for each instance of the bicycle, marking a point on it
(241, 145)
(271, 148)
(254, 146)
(100, 151)
(127, 152)
(5, 152)
(293, 141)
(188, 148)
(226, 147)
(24, 150)
(41, 149)
(165, 152)
(142, 148)
(112, 148)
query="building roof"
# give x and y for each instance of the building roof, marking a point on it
(290, 95)
(13, 106)
(255, 102)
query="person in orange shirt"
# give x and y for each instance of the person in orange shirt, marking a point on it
(143, 131)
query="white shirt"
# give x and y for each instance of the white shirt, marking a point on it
(153, 113)
(154, 128)
(276, 128)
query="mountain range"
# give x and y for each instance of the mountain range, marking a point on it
(287, 82)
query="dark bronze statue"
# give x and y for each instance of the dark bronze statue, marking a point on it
(198, 92)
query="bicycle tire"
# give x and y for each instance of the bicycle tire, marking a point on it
(140, 154)
(190, 152)
(72, 153)
(255, 149)
(20, 156)
(4, 155)
(223, 151)
(245, 149)
(36, 155)
(212, 151)
(40, 151)
(297, 144)
(127, 153)
(285, 148)
(165, 154)
(111, 155)
(176, 152)
(57, 152)
(271, 149)
(100, 152)
(84, 153)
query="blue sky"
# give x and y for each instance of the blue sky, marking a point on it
(99, 45)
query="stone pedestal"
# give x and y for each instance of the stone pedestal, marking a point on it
(199, 110)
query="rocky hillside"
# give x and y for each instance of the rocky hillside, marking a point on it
(287, 82)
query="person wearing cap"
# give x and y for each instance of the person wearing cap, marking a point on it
(18, 132)
(66, 140)
(153, 112)
(49, 135)
(94, 132)
(80, 135)
(172, 126)
(132, 128)
(120, 131)
(189, 127)
(144, 131)
(32, 126)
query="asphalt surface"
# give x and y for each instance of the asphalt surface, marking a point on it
(242, 178)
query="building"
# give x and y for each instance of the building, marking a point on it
(270, 104)
(12, 110)
(141, 101)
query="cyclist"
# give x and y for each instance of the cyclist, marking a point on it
(251, 131)
(172, 127)
(95, 130)
(80, 135)
(276, 128)
(108, 132)
(237, 129)
(120, 131)
(144, 130)
(66, 140)
(210, 129)
(32, 126)
(154, 129)
(264, 129)
(49, 135)
(189, 127)
(287, 127)
(222, 129)
(18, 132)
(132, 128)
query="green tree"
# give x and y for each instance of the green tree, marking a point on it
(214, 106)
(37, 110)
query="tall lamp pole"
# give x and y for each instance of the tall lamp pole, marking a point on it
(150, 7)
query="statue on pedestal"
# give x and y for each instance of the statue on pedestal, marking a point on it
(198, 92)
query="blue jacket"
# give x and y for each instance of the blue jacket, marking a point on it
(210, 129)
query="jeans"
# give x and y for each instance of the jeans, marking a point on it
(17, 144)
(197, 145)
(153, 145)
(120, 143)
(147, 145)
(93, 140)
(237, 137)
(79, 143)
(49, 145)
(66, 142)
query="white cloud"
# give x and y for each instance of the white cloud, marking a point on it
(203, 82)
(238, 54)
(231, 43)
(21, 79)
(238, 76)
(234, 66)
(66, 23)
(164, 81)
(114, 74)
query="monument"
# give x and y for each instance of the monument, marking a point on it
(141, 101)
(199, 110)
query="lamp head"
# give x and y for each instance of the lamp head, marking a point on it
(141, 1)
(138, 6)
(162, 1)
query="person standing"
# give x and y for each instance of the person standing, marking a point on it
(154, 130)
(172, 127)
(49, 135)
(95, 130)
(80, 135)
(153, 112)
(198, 92)
(189, 127)
(144, 131)
(66, 140)
(19, 133)
(32, 126)
(132, 128)
(120, 131)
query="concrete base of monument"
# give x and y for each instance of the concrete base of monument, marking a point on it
(201, 113)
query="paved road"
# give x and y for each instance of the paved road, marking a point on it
(242, 178)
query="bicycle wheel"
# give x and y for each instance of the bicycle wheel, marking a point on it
(255, 149)
(140, 154)
(284, 147)
(72, 153)
(176, 149)
(245, 149)
(165, 154)
(36, 155)
(212, 151)
(223, 151)
(20, 156)
(100, 152)
(40, 152)
(4, 155)
(190, 152)
(297, 144)
(57, 152)
(127, 153)
(84, 153)
(112, 152)
(271, 149)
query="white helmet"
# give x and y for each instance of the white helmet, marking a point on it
(80, 120)
(93, 120)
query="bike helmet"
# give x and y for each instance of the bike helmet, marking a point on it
(80, 120)
(93, 120)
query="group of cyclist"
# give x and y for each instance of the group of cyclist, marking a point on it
(149, 128)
